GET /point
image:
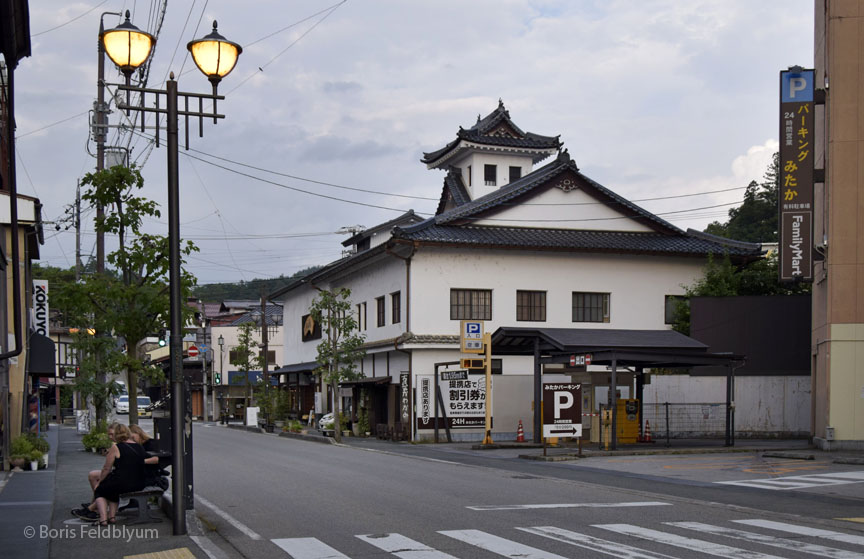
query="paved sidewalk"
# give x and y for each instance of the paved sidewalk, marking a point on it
(36, 520)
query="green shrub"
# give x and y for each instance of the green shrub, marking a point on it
(39, 443)
(36, 456)
(21, 447)
(103, 441)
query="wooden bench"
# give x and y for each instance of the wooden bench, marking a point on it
(141, 497)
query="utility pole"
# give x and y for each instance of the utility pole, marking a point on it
(100, 133)
(78, 232)
(265, 373)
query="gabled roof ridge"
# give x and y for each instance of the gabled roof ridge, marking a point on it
(453, 189)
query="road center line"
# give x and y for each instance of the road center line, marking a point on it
(569, 505)
(231, 520)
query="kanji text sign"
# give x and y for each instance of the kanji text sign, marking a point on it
(471, 336)
(795, 194)
(562, 409)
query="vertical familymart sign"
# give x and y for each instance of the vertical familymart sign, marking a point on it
(795, 195)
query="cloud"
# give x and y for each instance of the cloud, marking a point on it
(335, 148)
(341, 87)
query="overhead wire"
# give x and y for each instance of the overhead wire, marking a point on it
(74, 19)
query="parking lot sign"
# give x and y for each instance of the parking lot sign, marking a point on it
(471, 336)
(562, 409)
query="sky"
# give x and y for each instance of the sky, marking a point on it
(333, 103)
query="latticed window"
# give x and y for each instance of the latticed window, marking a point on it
(490, 174)
(396, 306)
(380, 308)
(470, 304)
(531, 306)
(590, 307)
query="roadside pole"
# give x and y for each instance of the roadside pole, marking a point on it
(487, 343)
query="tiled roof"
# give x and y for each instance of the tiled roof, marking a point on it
(454, 190)
(685, 244)
(496, 129)
(562, 165)
(273, 313)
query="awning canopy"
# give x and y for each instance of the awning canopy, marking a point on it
(298, 367)
(366, 381)
(641, 349)
(41, 356)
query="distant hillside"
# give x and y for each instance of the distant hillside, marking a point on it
(216, 292)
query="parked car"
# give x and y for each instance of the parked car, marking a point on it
(143, 405)
(326, 422)
(121, 404)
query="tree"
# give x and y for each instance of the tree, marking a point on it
(246, 358)
(756, 219)
(341, 346)
(126, 306)
(724, 279)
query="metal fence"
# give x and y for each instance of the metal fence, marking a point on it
(685, 421)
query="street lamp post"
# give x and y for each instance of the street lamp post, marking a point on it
(221, 373)
(129, 47)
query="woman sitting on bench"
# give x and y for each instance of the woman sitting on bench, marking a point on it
(152, 469)
(123, 472)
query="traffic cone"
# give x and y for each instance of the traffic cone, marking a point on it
(520, 434)
(647, 437)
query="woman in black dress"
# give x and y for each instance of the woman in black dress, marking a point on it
(123, 472)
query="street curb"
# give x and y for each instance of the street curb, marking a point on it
(789, 455)
(307, 437)
(509, 446)
(853, 461)
(249, 428)
(541, 458)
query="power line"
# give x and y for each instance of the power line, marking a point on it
(76, 18)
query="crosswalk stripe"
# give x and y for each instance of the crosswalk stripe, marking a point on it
(621, 551)
(800, 482)
(404, 548)
(794, 545)
(569, 505)
(308, 548)
(501, 546)
(701, 546)
(803, 530)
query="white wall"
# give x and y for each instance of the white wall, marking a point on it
(566, 210)
(477, 161)
(637, 286)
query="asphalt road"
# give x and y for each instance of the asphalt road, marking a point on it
(268, 496)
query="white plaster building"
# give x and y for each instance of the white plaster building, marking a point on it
(512, 245)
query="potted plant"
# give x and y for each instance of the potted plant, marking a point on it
(364, 422)
(102, 442)
(40, 444)
(344, 422)
(19, 452)
(35, 458)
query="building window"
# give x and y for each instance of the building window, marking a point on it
(670, 307)
(470, 304)
(361, 316)
(271, 356)
(469, 175)
(490, 174)
(396, 306)
(379, 301)
(515, 173)
(590, 307)
(531, 306)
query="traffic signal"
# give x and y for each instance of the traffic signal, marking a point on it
(163, 337)
(472, 363)
(217, 378)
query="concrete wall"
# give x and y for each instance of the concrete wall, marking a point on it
(765, 406)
